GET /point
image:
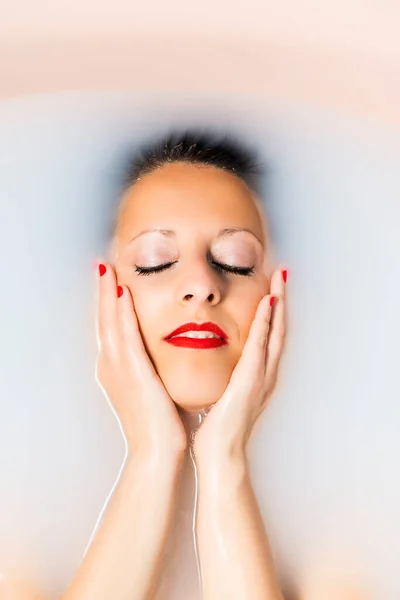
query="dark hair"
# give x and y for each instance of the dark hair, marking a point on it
(195, 146)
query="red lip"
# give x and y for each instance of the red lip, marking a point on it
(199, 327)
(204, 344)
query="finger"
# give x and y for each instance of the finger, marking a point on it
(261, 325)
(106, 307)
(131, 335)
(253, 354)
(277, 327)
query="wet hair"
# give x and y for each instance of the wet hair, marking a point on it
(195, 147)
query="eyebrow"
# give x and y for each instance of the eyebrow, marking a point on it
(170, 233)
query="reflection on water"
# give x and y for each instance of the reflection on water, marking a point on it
(192, 422)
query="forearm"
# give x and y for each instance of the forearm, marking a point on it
(235, 557)
(124, 558)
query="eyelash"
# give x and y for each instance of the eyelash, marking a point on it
(246, 271)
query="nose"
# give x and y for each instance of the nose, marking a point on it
(201, 286)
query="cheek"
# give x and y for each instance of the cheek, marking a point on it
(147, 306)
(244, 329)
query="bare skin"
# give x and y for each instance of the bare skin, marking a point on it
(124, 558)
(150, 385)
(236, 559)
(196, 203)
(233, 545)
(12, 588)
(145, 379)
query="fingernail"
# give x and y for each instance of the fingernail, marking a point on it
(271, 300)
(119, 291)
(102, 269)
(284, 275)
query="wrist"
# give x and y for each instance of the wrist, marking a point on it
(221, 463)
(220, 452)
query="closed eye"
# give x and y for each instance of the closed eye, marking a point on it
(246, 271)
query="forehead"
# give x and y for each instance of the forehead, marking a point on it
(178, 195)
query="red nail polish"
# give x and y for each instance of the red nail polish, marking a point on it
(284, 275)
(102, 269)
(119, 291)
(271, 300)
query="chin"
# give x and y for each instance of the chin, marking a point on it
(195, 397)
(194, 388)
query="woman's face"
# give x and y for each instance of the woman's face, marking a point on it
(196, 203)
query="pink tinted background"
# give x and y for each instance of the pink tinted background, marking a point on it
(342, 54)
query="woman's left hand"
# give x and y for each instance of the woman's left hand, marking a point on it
(228, 425)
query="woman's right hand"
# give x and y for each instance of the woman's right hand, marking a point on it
(147, 413)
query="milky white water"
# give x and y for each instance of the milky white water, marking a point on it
(324, 457)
